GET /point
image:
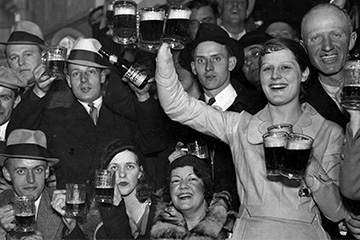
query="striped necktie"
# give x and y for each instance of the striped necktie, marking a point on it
(93, 112)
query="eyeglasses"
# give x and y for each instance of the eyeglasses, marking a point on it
(252, 55)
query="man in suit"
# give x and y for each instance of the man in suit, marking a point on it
(79, 133)
(26, 163)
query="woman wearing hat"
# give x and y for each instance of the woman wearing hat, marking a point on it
(189, 209)
(271, 209)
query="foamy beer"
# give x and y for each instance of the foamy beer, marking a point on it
(75, 200)
(296, 155)
(283, 127)
(151, 28)
(24, 208)
(104, 186)
(350, 97)
(274, 147)
(55, 61)
(177, 25)
(125, 22)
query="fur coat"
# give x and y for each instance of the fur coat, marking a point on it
(217, 223)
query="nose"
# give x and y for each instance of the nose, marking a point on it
(30, 177)
(275, 74)
(84, 77)
(21, 61)
(327, 44)
(184, 184)
(209, 65)
(121, 172)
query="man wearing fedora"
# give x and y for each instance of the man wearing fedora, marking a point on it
(26, 163)
(78, 134)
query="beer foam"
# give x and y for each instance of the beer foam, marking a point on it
(53, 57)
(274, 141)
(299, 143)
(179, 14)
(147, 16)
(124, 11)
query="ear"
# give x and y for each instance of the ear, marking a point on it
(140, 172)
(6, 174)
(305, 75)
(232, 63)
(68, 80)
(193, 67)
(353, 37)
(47, 172)
(17, 101)
(103, 75)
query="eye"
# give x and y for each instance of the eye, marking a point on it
(207, 20)
(285, 67)
(336, 35)
(5, 98)
(174, 181)
(91, 72)
(13, 58)
(130, 166)
(75, 74)
(216, 59)
(39, 170)
(113, 167)
(315, 38)
(193, 179)
(265, 69)
(200, 61)
(20, 172)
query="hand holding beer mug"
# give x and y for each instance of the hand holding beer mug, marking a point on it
(176, 28)
(274, 146)
(104, 186)
(54, 60)
(24, 208)
(125, 31)
(198, 149)
(151, 28)
(350, 97)
(75, 200)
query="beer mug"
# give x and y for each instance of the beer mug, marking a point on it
(24, 208)
(274, 147)
(283, 127)
(176, 27)
(125, 31)
(296, 155)
(75, 200)
(151, 28)
(104, 186)
(198, 149)
(350, 97)
(54, 59)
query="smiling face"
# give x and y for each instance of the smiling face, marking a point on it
(24, 59)
(234, 11)
(27, 176)
(281, 76)
(186, 189)
(128, 172)
(327, 38)
(213, 64)
(85, 82)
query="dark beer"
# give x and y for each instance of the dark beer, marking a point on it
(351, 96)
(75, 209)
(151, 30)
(273, 158)
(109, 17)
(56, 65)
(25, 222)
(176, 29)
(104, 194)
(125, 28)
(296, 160)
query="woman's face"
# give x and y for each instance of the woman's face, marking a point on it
(127, 171)
(280, 77)
(186, 189)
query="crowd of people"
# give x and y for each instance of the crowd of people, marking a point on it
(223, 90)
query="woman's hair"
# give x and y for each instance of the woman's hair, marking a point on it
(301, 57)
(201, 169)
(144, 188)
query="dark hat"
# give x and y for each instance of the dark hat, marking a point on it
(200, 165)
(26, 32)
(85, 52)
(28, 144)
(11, 79)
(255, 37)
(214, 33)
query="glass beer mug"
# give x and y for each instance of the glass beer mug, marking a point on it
(151, 28)
(125, 27)
(350, 96)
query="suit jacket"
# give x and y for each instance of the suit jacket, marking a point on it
(49, 222)
(323, 103)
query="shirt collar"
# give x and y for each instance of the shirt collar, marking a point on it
(224, 99)
(235, 36)
(3, 131)
(97, 103)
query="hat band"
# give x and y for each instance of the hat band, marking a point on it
(32, 150)
(24, 37)
(86, 56)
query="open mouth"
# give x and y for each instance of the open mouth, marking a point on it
(329, 58)
(184, 196)
(85, 89)
(123, 184)
(278, 87)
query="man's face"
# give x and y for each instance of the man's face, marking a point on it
(24, 59)
(280, 30)
(327, 39)
(213, 64)
(27, 176)
(203, 14)
(8, 102)
(234, 11)
(85, 82)
(250, 67)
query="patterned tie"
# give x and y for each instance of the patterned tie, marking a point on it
(211, 101)
(93, 112)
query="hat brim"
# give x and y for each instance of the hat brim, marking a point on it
(87, 63)
(51, 161)
(42, 46)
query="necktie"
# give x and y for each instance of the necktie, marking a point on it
(93, 112)
(211, 101)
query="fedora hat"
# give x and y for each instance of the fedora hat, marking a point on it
(85, 52)
(11, 79)
(28, 144)
(209, 32)
(26, 32)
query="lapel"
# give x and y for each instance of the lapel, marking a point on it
(78, 121)
(48, 222)
(309, 123)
